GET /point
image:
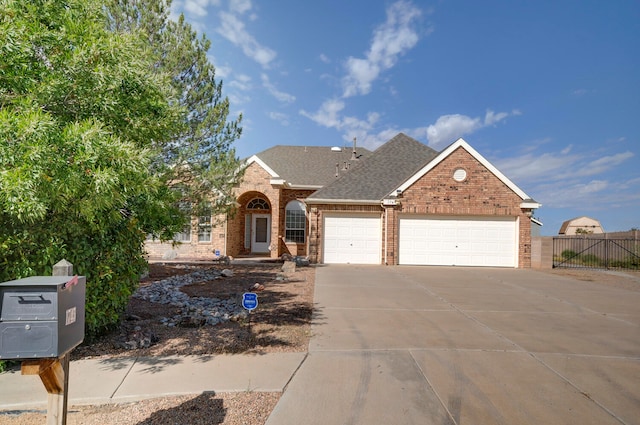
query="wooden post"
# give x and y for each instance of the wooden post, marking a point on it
(54, 373)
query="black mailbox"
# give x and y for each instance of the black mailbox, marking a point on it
(41, 316)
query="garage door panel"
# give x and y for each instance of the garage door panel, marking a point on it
(470, 241)
(352, 239)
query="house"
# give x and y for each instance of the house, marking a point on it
(581, 226)
(404, 203)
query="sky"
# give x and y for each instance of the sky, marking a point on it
(548, 91)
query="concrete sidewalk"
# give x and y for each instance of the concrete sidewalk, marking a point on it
(101, 381)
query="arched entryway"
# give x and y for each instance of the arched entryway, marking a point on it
(258, 226)
(252, 225)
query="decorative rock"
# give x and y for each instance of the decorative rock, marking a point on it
(257, 287)
(195, 312)
(227, 273)
(289, 267)
(170, 255)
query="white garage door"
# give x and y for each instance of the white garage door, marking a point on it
(352, 239)
(468, 241)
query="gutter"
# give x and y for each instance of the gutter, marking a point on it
(343, 201)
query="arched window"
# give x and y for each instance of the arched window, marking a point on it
(258, 204)
(295, 222)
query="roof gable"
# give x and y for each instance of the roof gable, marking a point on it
(310, 167)
(379, 174)
(461, 143)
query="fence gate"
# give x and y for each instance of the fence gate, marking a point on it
(598, 253)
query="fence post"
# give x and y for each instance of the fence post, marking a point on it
(62, 268)
(56, 400)
(606, 251)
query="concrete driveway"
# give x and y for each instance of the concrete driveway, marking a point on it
(439, 345)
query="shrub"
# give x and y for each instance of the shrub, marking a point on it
(590, 260)
(568, 253)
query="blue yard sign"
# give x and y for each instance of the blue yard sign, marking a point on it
(250, 300)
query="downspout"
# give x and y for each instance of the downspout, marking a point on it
(386, 234)
(226, 234)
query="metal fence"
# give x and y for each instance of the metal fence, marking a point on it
(596, 253)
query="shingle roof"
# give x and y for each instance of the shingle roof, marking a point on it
(380, 173)
(308, 165)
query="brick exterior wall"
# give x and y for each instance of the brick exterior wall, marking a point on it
(228, 237)
(437, 193)
(291, 248)
(194, 250)
(480, 194)
(316, 217)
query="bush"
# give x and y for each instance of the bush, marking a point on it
(590, 260)
(111, 259)
(568, 253)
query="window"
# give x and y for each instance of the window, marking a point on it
(185, 235)
(258, 204)
(295, 222)
(204, 224)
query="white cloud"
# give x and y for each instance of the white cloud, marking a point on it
(492, 118)
(222, 71)
(575, 194)
(536, 167)
(324, 58)
(328, 114)
(390, 41)
(234, 30)
(568, 180)
(280, 117)
(612, 160)
(241, 82)
(240, 6)
(279, 95)
(199, 7)
(449, 128)
(238, 99)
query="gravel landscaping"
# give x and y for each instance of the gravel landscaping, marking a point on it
(196, 309)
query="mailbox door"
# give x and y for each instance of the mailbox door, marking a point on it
(33, 303)
(19, 340)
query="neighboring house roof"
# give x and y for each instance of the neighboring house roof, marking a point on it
(569, 227)
(379, 174)
(306, 167)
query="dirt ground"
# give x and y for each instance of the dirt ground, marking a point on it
(281, 323)
(624, 279)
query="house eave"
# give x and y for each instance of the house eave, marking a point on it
(278, 182)
(316, 201)
(530, 204)
(303, 186)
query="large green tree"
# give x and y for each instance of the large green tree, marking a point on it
(201, 158)
(94, 130)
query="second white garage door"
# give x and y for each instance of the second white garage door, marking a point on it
(468, 241)
(352, 239)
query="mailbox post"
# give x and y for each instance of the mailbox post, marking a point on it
(41, 321)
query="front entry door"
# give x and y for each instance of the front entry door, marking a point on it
(260, 233)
